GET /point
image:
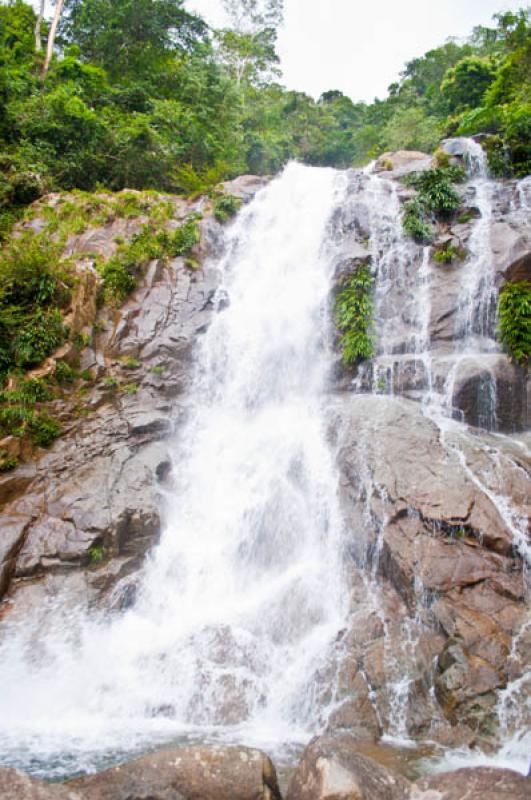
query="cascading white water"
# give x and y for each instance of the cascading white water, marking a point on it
(242, 600)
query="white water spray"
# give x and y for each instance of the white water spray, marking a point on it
(241, 602)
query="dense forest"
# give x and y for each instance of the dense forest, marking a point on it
(145, 95)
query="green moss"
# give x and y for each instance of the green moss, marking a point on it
(160, 369)
(130, 388)
(354, 311)
(514, 326)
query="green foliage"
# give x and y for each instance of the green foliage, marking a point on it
(7, 462)
(39, 335)
(436, 191)
(130, 388)
(514, 327)
(64, 373)
(464, 85)
(110, 383)
(225, 207)
(449, 253)
(130, 363)
(96, 554)
(159, 369)
(414, 222)
(43, 430)
(354, 311)
(436, 199)
(184, 239)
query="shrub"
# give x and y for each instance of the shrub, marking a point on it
(447, 254)
(514, 327)
(226, 207)
(7, 462)
(160, 369)
(38, 337)
(436, 191)
(184, 239)
(44, 430)
(354, 316)
(414, 222)
(64, 373)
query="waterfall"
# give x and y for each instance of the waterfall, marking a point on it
(241, 602)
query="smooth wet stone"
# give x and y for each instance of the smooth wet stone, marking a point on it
(331, 768)
(186, 773)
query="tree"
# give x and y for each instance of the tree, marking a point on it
(251, 16)
(132, 37)
(51, 37)
(38, 26)
(465, 84)
(248, 48)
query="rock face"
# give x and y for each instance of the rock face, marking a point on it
(447, 560)
(187, 773)
(92, 502)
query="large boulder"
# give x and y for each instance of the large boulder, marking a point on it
(480, 783)
(331, 768)
(186, 773)
(15, 785)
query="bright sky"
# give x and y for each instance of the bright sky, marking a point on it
(360, 46)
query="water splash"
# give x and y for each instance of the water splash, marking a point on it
(241, 602)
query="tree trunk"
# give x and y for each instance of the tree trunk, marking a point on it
(51, 37)
(38, 24)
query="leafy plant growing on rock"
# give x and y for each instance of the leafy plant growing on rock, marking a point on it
(225, 207)
(414, 222)
(514, 327)
(354, 310)
(184, 239)
(448, 254)
(436, 199)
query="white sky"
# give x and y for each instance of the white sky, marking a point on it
(361, 47)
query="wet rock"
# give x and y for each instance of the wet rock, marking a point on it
(12, 535)
(480, 783)
(15, 785)
(448, 553)
(187, 773)
(402, 162)
(246, 186)
(331, 768)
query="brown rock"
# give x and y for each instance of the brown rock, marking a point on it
(480, 783)
(186, 773)
(331, 768)
(15, 785)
